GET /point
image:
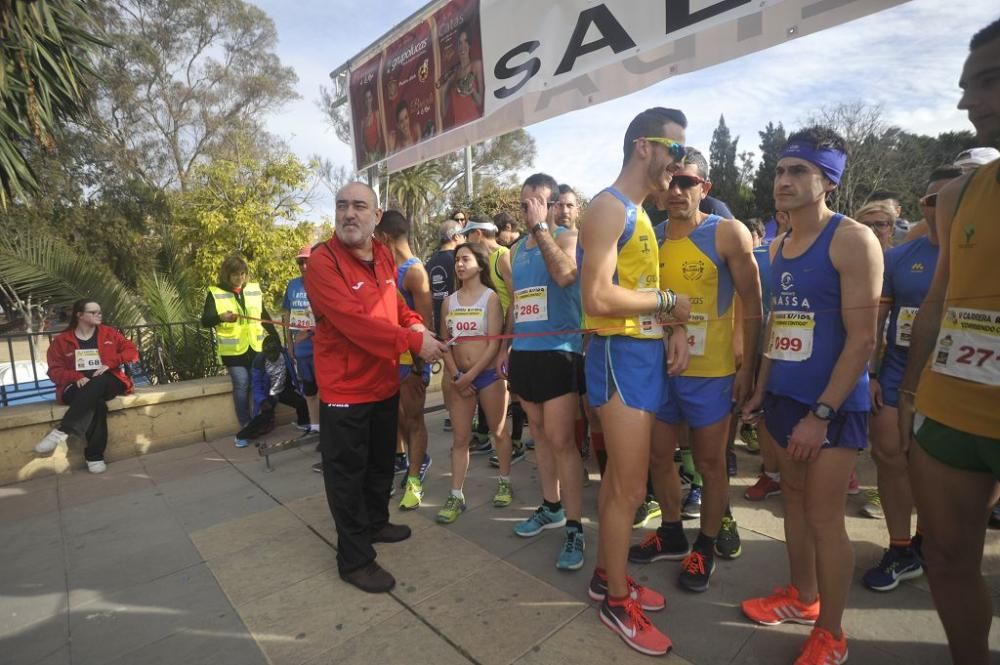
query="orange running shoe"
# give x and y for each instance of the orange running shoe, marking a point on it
(822, 648)
(781, 607)
(649, 600)
(635, 629)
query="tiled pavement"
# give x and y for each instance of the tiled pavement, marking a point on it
(198, 555)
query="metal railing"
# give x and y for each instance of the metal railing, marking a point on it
(168, 352)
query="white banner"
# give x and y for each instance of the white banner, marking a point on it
(542, 59)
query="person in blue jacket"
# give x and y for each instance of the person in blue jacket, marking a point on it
(273, 380)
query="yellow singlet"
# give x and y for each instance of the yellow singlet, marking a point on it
(500, 286)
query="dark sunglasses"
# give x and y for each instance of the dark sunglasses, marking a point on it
(930, 200)
(686, 181)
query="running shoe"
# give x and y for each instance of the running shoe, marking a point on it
(822, 648)
(897, 564)
(51, 441)
(413, 495)
(764, 488)
(635, 629)
(873, 505)
(731, 467)
(240, 443)
(447, 425)
(727, 543)
(480, 445)
(751, 438)
(686, 478)
(318, 467)
(649, 600)
(692, 504)
(402, 464)
(504, 495)
(662, 544)
(782, 606)
(852, 485)
(453, 507)
(529, 444)
(696, 570)
(647, 511)
(516, 456)
(540, 520)
(571, 556)
(426, 464)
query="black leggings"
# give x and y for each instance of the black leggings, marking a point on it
(87, 416)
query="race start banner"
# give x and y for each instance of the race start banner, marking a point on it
(462, 71)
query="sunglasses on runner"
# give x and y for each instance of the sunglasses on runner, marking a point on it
(686, 181)
(930, 200)
(675, 149)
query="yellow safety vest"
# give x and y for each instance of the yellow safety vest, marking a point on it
(234, 339)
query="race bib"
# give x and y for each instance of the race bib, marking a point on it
(649, 325)
(968, 346)
(302, 318)
(791, 336)
(697, 332)
(904, 325)
(466, 322)
(87, 359)
(531, 304)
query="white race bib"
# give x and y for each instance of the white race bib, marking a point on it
(531, 304)
(87, 359)
(302, 318)
(968, 346)
(466, 322)
(697, 333)
(791, 336)
(649, 325)
(904, 325)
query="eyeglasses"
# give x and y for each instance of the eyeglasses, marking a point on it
(686, 181)
(675, 149)
(930, 200)
(881, 225)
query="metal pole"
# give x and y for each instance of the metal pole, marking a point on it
(373, 181)
(468, 171)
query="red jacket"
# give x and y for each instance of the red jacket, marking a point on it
(362, 324)
(114, 348)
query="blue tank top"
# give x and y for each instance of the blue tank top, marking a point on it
(541, 305)
(401, 275)
(909, 270)
(807, 331)
(296, 303)
(762, 255)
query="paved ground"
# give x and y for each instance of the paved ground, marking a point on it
(198, 555)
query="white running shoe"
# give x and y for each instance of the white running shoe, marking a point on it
(50, 442)
(97, 467)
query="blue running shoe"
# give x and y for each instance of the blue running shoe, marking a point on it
(241, 443)
(480, 445)
(897, 564)
(571, 556)
(426, 464)
(542, 519)
(692, 504)
(402, 464)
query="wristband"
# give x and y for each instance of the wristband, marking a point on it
(671, 300)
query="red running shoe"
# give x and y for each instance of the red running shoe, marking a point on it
(822, 648)
(783, 606)
(763, 489)
(649, 600)
(634, 627)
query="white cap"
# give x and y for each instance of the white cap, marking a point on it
(482, 226)
(974, 157)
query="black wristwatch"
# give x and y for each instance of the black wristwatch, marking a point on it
(823, 411)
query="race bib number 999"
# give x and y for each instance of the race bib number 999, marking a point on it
(791, 336)
(968, 346)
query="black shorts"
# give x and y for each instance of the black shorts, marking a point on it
(538, 376)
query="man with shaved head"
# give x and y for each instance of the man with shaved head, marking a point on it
(362, 327)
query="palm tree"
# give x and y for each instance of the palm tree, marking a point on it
(412, 191)
(45, 57)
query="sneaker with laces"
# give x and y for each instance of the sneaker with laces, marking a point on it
(782, 606)
(504, 495)
(662, 544)
(692, 504)
(50, 442)
(647, 511)
(696, 570)
(571, 556)
(873, 505)
(96, 466)
(853, 487)
(751, 439)
(516, 456)
(402, 464)
(318, 467)
(635, 629)
(413, 495)
(727, 543)
(447, 425)
(426, 464)
(480, 445)
(822, 648)
(764, 488)
(540, 520)
(649, 600)
(453, 507)
(686, 478)
(897, 564)
(240, 443)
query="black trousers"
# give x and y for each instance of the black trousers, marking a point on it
(358, 443)
(263, 422)
(87, 416)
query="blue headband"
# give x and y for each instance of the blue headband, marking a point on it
(830, 161)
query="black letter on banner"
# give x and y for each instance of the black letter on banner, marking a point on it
(613, 35)
(679, 12)
(528, 67)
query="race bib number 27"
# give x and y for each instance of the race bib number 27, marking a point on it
(968, 346)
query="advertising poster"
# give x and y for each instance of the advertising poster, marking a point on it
(367, 118)
(461, 84)
(408, 77)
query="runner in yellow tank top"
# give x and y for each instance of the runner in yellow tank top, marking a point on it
(955, 354)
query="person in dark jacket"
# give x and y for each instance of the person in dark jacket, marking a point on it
(274, 380)
(86, 364)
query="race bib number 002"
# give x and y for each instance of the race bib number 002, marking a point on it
(87, 359)
(466, 322)
(791, 336)
(531, 304)
(968, 346)
(904, 325)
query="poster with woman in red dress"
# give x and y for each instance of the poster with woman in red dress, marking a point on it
(408, 67)
(461, 85)
(367, 118)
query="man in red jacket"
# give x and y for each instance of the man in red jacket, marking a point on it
(362, 326)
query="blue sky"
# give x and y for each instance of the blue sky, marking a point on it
(906, 59)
